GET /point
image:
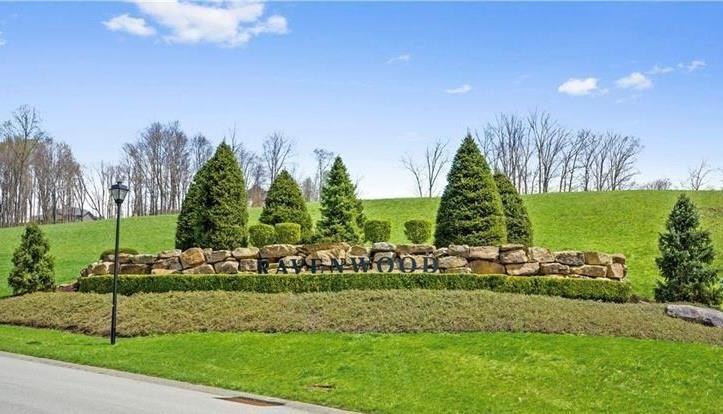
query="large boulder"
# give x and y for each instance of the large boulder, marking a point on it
(227, 267)
(590, 270)
(315, 247)
(615, 271)
(518, 255)
(277, 251)
(215, 256)
(172, 263)
(324, 257)
(511, 246)
(134, 269)
(100, 268)
(383, 255)
(192, 257)
(359, 250)
(570, 258)
(486, 267)
(554, 269)
(461, 250)
(245, 253)
(618, 258)
(484, 253)
(161, 272)
(204, 269)
(451, 262)
(597, 258)
(414, 249)
(247, 265)
(167, 254)
(383, 247)
(697, 314)
(522, 269)
(541, 255)
(145, 259)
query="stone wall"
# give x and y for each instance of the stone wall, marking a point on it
(510, 259)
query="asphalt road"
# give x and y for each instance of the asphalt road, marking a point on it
(34, 387)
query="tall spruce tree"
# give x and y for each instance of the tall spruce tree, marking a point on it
(686, 254)
(470, 211)
(342, 215)
(214, 213)
(519, 227)
(285, 204)
(33, 266)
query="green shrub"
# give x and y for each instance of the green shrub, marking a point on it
(214, 213)
(686, 255)
(285, 204)
(519, 227)
(608, 291)
(376, 231)
(261, 235)
(33, 266)
(125, 250)
(418, 231)
(342, 216)
(470, 210)
(288, 233)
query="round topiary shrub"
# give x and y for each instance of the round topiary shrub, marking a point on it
(124, 250)
(376, 231)
(262, 234)
(288, 233)
(418, 231)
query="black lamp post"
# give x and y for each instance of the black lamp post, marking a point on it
(118, 191)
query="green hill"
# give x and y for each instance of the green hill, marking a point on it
(626, 222)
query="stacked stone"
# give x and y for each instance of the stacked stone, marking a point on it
(509, 259)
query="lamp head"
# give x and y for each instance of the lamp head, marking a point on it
(119, 191)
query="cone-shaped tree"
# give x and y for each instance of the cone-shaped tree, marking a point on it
(342, 216)
(470, 211)
(686, 254)
(32, 263)
(519, 227)
(214, 212)
(285, 204)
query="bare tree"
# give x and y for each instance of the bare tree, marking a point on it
(416, 170)
(323, 159)
(697, 176)
(436, 158)
(570, 158)
(659, 184)
(623, 154)
(308, 189)
(549, 139)
(201, 151)
(277, 149)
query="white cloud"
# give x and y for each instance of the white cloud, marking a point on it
(635, 80)
(660, 70)
(459, 91)
(579, 86)
(406, 57)
(133, 25)
(692, 66)
(225, 23)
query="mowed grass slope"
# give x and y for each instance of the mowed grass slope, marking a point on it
(415, 373)
(626, 221)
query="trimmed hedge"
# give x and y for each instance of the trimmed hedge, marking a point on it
(262, 235)
(607, 291)
(287, 233)
(418, 231)
(376, 231)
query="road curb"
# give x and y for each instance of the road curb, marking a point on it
(219, 392)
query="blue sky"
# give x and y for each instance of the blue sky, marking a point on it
(370, 81)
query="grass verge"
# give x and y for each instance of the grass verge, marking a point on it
(415, 373)
(350, 311)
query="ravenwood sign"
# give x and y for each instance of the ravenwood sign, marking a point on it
(405, 264)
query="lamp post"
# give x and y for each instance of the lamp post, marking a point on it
(118, 191)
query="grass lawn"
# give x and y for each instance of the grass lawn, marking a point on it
(415, 373)
(625, 221)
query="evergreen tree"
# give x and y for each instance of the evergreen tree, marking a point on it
(470, 211)
(285, 204)
(342, 215)
(519, 227)
(214, 213)
(686, 254)
(33, 267)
